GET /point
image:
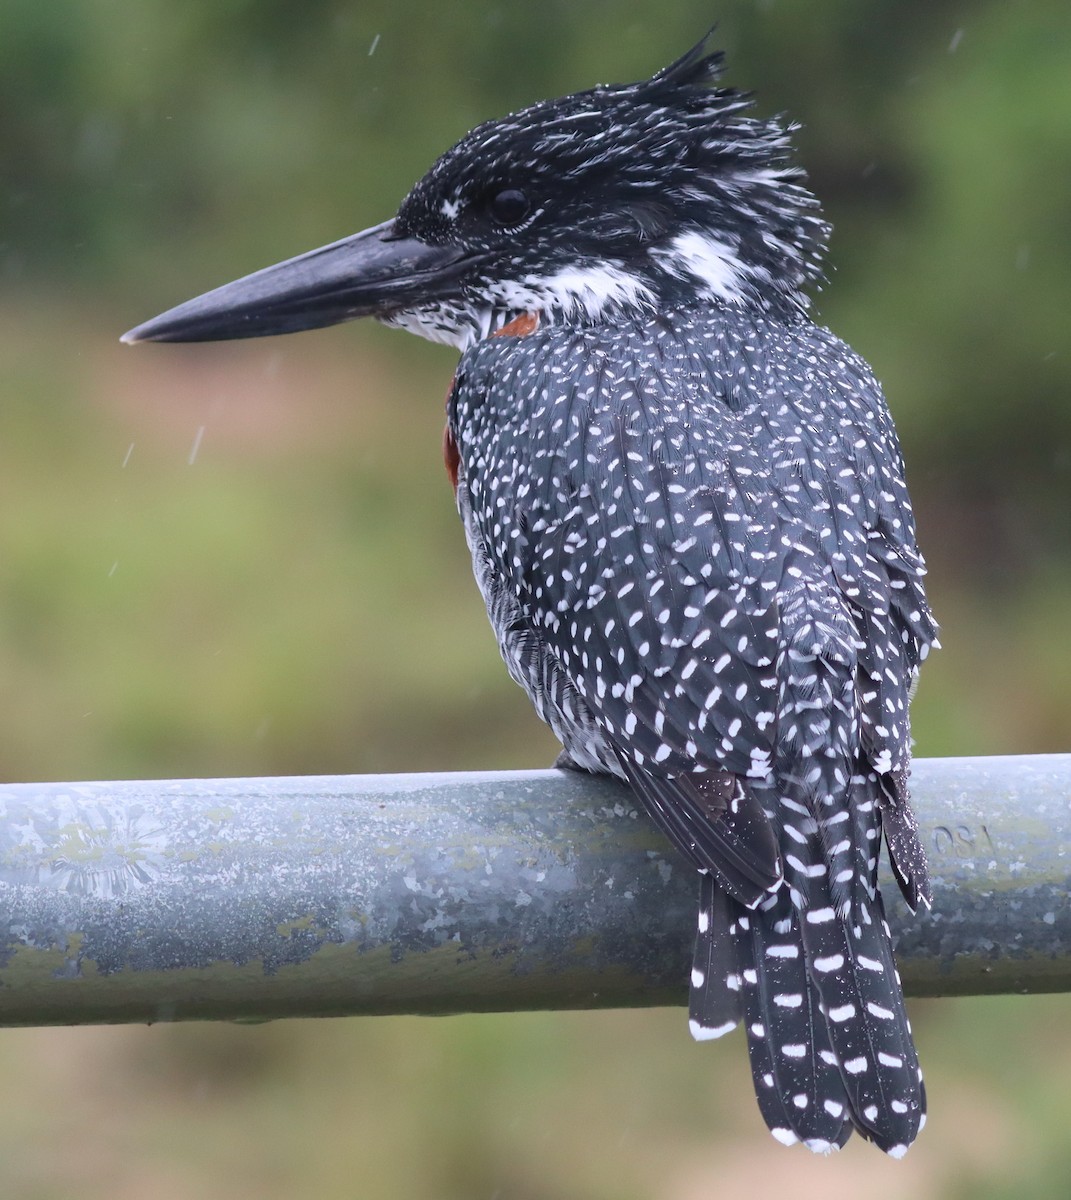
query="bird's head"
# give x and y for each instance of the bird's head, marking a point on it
(609, 202)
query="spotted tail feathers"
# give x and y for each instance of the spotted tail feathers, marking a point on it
(818, 992)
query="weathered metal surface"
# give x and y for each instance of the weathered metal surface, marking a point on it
(261, 898)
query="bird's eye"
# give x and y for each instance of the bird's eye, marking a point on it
(509, 207)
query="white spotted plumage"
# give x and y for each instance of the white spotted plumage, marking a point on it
(605, 470)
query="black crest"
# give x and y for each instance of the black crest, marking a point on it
(616, 174)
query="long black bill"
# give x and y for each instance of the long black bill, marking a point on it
(372, 273)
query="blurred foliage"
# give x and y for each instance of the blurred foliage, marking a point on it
(244, 559)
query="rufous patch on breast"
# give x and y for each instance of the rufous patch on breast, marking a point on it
(520, 326)
(451, 457)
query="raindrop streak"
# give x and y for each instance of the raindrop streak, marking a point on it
(372, 48)
(113, 568)
(196, 445)
(129, 452)
(953, 45)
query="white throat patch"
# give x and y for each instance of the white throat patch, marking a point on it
(591, 291)
(588, 291)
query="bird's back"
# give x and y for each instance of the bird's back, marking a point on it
(695, 541)
(646, 483)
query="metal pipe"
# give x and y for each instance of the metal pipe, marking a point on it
(260, 898)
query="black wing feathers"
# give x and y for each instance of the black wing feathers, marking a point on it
(715, 823)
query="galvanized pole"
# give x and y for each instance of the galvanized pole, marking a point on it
(260, 898)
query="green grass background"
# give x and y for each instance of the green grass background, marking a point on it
(244, 559)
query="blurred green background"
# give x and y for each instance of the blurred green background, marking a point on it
(244, 559)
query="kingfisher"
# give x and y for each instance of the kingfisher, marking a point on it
(687, 513)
